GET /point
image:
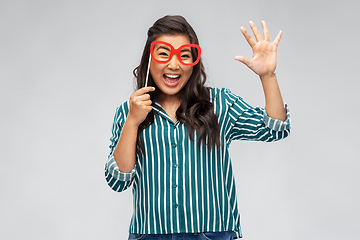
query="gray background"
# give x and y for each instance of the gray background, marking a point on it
(66, 65)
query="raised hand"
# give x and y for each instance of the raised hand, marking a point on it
(264, 59)
(140, 105)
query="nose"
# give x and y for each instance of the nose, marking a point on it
(174, 62)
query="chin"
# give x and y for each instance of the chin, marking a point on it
(171, 92)
(170, 87)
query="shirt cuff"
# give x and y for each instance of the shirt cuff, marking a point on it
(276, 124)
(115, 172)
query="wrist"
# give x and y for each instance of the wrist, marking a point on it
(268, 76)
(131, 123)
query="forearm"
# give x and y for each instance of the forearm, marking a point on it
(125, 150)
(273, 99)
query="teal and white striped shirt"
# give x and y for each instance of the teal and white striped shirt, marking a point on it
(179, 188)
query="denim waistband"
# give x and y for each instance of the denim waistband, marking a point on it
(183, 236)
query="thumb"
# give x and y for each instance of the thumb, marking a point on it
(243, 59)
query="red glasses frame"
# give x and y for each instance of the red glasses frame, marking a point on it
(175, 51)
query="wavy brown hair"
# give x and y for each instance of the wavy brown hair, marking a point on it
(199, 116)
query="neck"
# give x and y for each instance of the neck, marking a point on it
(170, 100)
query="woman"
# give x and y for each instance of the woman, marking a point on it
(171, 140)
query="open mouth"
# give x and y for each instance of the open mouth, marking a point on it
(171, 80)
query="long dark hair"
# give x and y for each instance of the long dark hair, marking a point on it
(199, 116)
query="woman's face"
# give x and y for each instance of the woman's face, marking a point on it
(171, 77)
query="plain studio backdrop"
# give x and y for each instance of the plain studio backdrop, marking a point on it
(65, 66)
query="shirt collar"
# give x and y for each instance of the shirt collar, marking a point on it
(158, 109)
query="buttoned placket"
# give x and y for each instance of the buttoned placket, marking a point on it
(175, 176)
(175, 169)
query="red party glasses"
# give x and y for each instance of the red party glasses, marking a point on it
(188, 54)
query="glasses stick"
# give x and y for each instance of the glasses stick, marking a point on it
(147, 72)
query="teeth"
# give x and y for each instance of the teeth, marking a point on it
(172, 76)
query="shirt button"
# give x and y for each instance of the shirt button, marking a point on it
(175, 165)
(175, 185)
(176, 205)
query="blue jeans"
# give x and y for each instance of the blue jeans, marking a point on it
(183, 236)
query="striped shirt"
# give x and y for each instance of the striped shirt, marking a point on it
(180, 188)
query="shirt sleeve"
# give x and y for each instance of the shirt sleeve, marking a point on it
(117, 180)
(253, 123)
